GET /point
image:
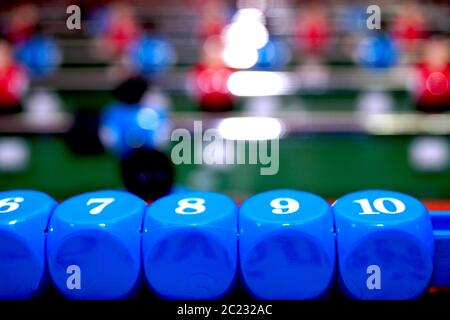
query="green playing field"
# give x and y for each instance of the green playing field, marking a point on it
(330, 165)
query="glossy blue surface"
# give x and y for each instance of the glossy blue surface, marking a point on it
(24, 216)
(178, 188)
(387, 254)
(286, 255)
(191, 254)
(441, 232)
(94, 252)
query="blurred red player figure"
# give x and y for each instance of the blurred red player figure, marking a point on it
(433, 77)
(409, 26)
(313, 30)
(210, 78)
(13, 80)
(22, 23)
(213, 18)
(122, 29)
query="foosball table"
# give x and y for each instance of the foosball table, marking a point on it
(224, 150)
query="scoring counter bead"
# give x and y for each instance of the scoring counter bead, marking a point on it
(24, 216)
(385, 245)
(94, 245)
(287, 246)
(190, 245)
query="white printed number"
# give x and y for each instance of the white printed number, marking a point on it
(10, 204)
(191, 206)
(103, 203)
(378, 206)
(284, 205)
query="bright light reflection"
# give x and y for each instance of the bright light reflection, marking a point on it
(240, 57)
(243, 37)
(250, 128)
(257, 83)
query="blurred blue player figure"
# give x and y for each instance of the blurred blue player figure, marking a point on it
(377, 51)
(135, 128)
(139, 117)
(98, 19)
(274, 55)
(152, 54)
(127, 127)
(136, 120)
(40, 54)
(353, 17)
